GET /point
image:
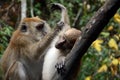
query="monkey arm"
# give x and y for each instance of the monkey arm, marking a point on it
(46, 41)
(64, 15)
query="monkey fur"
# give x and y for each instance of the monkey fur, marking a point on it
(20, 60)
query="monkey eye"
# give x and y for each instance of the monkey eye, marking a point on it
(24, 28)
(40, 26)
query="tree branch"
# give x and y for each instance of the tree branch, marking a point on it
(23, 8)
(77, 19)
(31, 8)
(91, 32)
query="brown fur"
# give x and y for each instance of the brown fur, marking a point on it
(34, 19)
(25, 48)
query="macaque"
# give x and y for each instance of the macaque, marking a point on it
(65, 44)
(67, 40)
(60, 46)
(20, 60)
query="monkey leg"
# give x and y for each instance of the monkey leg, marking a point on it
(16, 71)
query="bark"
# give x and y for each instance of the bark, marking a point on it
(90, 33)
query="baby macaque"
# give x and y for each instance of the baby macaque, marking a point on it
(68, 39)
(65, 44)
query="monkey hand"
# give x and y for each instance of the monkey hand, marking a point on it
(60, 66)
(60, 24)
(57, 6)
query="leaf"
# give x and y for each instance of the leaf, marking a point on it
(103, 68)
(105, 34)
(88, 78)
(117, 17)
(115, 62)
(116, 37)
(97, 45)
(110, 28)
(112, 44)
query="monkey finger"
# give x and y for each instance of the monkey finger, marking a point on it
(54, 6)
(60, 24)
(57, 6)
(62, 71)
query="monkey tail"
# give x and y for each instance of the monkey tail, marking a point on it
(64, 14)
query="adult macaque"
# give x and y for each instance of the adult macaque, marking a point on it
(20, 60)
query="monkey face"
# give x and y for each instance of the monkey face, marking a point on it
(67, 40)
(64, 43)
(34, 27)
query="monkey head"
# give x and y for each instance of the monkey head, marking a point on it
(34, 27)
(68, 39)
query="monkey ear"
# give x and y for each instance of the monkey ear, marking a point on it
(23, 28)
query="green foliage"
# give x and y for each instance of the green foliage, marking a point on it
(5, 34)
(36, 9)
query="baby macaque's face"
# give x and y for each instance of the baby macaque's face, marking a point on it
(68, 40)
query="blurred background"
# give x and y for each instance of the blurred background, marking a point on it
(102, 60)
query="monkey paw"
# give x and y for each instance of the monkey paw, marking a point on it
(60, 66)
(55, 6)
(60, 24)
